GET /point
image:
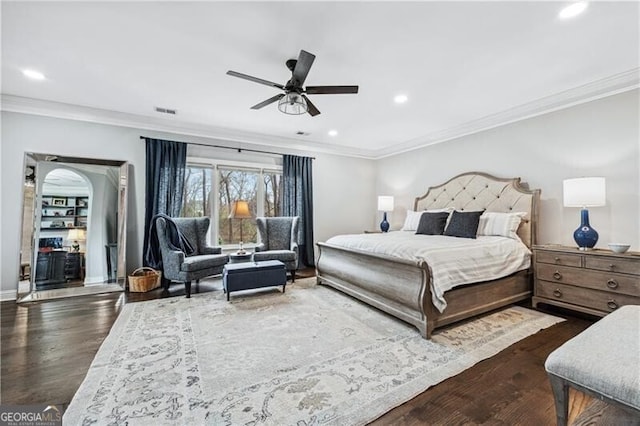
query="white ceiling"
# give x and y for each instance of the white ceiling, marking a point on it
(464, 65)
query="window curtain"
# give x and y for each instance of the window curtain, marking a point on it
(297, 200)
(165, 169)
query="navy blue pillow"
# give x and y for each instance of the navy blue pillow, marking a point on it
(432, 223)
(463, 224)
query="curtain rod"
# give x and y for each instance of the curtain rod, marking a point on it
(229, 147)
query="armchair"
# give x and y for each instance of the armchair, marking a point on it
(179, 266)
(279, 241)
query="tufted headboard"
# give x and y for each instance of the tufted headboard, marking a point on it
(479, 191)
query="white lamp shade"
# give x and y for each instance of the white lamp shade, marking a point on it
(584, 192)
(385, 203)
(76, 234)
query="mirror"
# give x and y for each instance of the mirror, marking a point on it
(73, 227)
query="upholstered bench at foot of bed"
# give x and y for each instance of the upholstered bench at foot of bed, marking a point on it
(603, 361)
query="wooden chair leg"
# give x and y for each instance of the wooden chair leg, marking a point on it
(561, 398)
(187, 288)
(165, 283)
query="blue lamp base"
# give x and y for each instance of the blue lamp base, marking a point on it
(384, 225)
(586, 237)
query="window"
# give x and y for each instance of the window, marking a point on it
(197, 192)
(261, 188)
(237, 185)
(272, 193)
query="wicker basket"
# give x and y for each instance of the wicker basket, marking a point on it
(144, 279)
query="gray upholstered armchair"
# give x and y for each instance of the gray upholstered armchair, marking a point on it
(179, 266)
(279, 236)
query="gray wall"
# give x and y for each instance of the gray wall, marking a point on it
(344, 187)
(598, 138)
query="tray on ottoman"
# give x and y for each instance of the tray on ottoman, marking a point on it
(248, 275)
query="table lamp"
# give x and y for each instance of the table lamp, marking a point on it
(584, 192)
(76, 235)
(240, 210)
(385, 204)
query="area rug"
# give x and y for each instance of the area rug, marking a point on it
(310, 356)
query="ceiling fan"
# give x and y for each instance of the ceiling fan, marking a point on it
(293, 100)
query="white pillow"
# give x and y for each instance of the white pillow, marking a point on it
(500, 224)
(413, 218)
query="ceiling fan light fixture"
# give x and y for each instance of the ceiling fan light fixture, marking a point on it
(292, 103)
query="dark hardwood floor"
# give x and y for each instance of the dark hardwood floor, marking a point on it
(47, 347)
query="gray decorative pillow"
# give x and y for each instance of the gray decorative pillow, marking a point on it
(432, 223)
(463, 224)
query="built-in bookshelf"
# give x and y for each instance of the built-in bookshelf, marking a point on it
(63, 212)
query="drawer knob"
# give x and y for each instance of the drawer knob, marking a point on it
(557, 275)
(612, 267)
(557, 293)
(612, 304)
(557, 259)
(612, 283)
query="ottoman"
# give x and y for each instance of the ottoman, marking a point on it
(248, 275)
(603, 361)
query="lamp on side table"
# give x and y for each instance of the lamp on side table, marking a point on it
(385, 204)
(240, 210)
(584, 192)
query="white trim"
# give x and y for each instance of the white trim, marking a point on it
(217, 135)
(6, 295)
(608, 86)
(613, 85)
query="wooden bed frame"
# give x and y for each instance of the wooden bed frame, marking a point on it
(401, 287)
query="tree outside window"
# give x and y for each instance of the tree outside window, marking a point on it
(196, 200)
(236, 185)
(272, 193)
(260, 188)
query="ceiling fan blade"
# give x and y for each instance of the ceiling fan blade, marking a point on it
(311, 108)
(305, 60)
(255, 79)
(330, 90)
(268, 101)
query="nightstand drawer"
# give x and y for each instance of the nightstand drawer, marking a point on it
(613, 264)
(595, 299)
(556, 258)
(605, 281)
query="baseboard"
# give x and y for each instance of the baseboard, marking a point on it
(6, 295)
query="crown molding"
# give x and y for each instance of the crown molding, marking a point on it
(612, 85)
(216, 135)
(617, 83)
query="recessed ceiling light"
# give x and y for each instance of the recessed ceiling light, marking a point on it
(574, 9)
(333, 133)
(400, 99)
(33, 74)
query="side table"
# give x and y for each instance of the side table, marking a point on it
(240, 258)
(595, 282)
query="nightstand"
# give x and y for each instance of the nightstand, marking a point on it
(595, 282)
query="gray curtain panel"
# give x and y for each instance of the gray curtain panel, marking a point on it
(165, 169)
(297, 200)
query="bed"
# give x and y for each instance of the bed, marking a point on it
(402, 286)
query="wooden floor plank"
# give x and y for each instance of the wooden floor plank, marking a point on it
(47, 347)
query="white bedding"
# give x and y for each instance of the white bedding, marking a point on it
(453, 261)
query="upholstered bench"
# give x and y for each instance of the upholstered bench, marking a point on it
(249, 275)
(603, 361)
